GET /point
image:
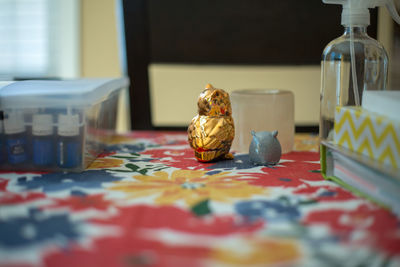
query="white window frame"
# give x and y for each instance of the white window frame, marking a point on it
(64, 49)
(67, 62)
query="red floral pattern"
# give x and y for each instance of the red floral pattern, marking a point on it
(383, 228)
(148, 202)
(139, 239)
(79, 203)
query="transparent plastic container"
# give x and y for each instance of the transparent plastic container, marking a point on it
(57, 125)
(371, 66)
(262, 110)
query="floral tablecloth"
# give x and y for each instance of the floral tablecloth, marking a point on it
(148, 202)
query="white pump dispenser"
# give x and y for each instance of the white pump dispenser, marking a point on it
(355, 12)
(352, 63)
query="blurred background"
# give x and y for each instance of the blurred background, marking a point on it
(85, 38)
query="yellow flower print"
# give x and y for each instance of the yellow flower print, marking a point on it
(191, 186)
(258, 252)
(105, 163)
(120, 139)
(114, 139)
(306, 142)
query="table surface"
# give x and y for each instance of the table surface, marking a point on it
(148, 202)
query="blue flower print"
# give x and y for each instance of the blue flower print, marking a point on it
(328, 194)
(37, 227)
(240, 162)
(53, 182)
(131, 148)
(271, 211)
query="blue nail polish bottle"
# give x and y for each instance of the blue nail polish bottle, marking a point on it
(69, 141)
(42, 140)
(15, 138)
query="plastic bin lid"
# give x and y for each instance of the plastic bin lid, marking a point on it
(5, 83)
(58, 93)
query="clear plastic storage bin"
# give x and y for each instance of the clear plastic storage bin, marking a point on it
(56, 125)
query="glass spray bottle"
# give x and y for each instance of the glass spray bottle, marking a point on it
(350, 64)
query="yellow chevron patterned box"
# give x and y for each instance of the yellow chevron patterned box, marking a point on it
(369, 134)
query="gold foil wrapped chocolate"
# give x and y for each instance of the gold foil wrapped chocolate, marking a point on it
(211, 131)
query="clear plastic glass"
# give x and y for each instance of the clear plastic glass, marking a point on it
(371, 64)
(262, 110)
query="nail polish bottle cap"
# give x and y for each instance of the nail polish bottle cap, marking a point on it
(42, 124)
(14, 123)
(68, 124)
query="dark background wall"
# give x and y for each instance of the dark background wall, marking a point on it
(243, 32)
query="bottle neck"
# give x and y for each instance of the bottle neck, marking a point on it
(356, 30)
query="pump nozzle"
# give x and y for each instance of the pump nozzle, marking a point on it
(392, 10)
(355, 12)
